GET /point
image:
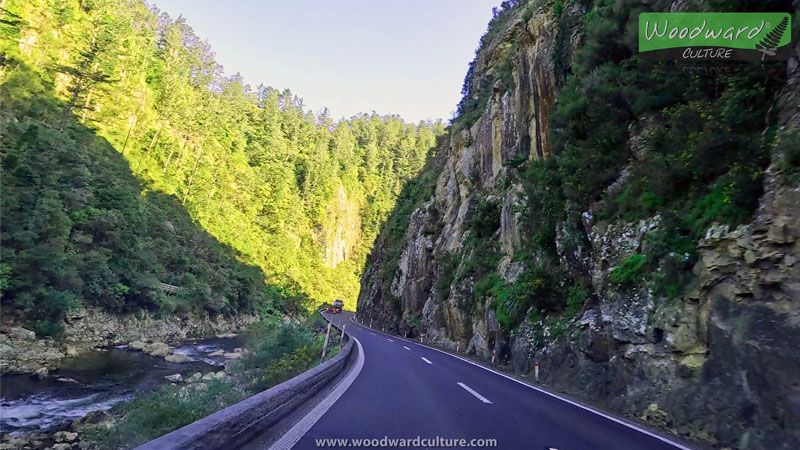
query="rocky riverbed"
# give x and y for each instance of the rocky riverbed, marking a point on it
(45, 409)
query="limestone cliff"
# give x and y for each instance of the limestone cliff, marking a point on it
(716, 363)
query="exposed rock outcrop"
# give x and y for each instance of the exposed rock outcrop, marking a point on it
(89, 328)
(717, 364)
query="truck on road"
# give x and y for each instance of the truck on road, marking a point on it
(337, 306)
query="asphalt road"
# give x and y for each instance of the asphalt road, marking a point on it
(405, 390)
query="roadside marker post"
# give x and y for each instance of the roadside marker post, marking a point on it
(341, 339)
(536, 371)
(494, 353)
(458, 346)
(325, 347)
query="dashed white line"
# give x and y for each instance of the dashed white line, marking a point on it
(472, 391)
(390, 340)
(426, 360)
(406, 348)
(373, 334)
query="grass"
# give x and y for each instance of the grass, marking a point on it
(277, 352)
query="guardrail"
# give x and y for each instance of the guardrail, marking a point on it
(238, 424)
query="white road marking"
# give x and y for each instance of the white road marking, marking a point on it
(373, 334)
(406, 348)
(601, 414)
(290, 438)
(472, 391)
(390, 340)
(426, 360)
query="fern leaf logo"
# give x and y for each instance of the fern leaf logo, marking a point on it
(769, 45)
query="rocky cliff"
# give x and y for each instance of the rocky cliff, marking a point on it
(465, 264)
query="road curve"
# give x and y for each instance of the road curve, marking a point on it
(405, 390)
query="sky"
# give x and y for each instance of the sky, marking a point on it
(406, 57)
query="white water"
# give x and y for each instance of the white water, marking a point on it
(99, 380)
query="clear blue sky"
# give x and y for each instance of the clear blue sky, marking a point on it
(406, 57)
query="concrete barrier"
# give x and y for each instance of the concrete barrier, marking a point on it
(236, 425)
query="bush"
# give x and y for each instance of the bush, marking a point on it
(576, 296)
(269, 342)
(486, 219)
(447, 272)
(630, 271)
(289, 366)
(154, 414)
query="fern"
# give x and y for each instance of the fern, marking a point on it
(769, 45)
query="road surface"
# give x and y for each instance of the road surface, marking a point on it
(404, 390)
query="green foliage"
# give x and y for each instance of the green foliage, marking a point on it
(289, 366)
(558, 8)
(130, 160)
(630, 271)
(788, 144)
(277, 351)
(576, 296)
(449, 265)
(154, 414)
(270, 342)
(528, 13)
(486, 219)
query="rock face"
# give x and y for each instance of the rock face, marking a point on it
(718, 364)
(86, 329)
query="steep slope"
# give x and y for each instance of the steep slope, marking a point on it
(627, 226)
(294, 194)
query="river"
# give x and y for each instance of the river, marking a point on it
(96, 380)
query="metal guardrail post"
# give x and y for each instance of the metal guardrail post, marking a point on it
(325, 347)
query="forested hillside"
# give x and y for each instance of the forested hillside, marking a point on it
(127, 154)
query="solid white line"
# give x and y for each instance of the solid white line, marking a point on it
(472, 391)
(426, 360)
(406, 348)
(290, 438)
(601, 414)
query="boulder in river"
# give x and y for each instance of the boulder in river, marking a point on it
(226, 335)
(41, 373)
(175, 378)
(157, 349)
(65, 436)
(217, 353)
(178, 358)
(233, 355)
(136, 345)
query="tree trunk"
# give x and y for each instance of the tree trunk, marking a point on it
(130, 129)
(191, 177)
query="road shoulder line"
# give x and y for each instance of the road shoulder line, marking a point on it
(584, 407)
(291, 437)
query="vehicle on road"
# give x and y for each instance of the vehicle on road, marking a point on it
(337, 306)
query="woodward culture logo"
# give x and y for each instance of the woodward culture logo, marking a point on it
(715, 36)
